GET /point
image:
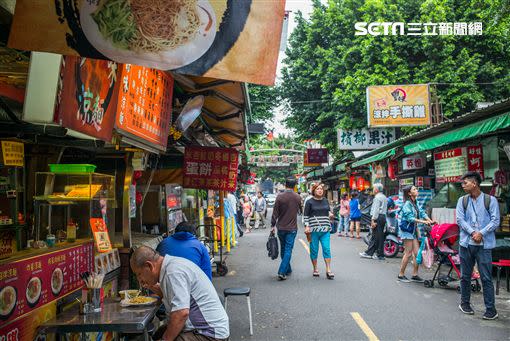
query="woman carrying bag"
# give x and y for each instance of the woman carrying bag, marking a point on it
(344, 215)
(317, 216)
(410, 216)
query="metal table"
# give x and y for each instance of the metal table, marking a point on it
(113, 318)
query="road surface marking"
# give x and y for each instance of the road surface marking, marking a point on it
(364, 327)
(304, 245)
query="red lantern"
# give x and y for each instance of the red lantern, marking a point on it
(352, 182)
(392, 169)
(360, 184)
(137, 175)
(139, 198)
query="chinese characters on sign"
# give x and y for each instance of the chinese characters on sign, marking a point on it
(364, 139)
(31, 283)
(419, 29)
(210, 168)
(317, 155)
(267, 160)
(87, 96)
(145, 104)
(100, 231)
(413, 162)
(13, 153)
(451, 164)
(398, 105)
(8, 244)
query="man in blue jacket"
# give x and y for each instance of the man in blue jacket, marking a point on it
(478, 219)
(184, 243)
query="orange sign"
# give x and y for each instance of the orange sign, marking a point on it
(398, 105)
(100, 231)
(145, 104)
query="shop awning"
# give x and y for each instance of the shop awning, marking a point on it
(376, 157)
(340, 167)
(470, 131)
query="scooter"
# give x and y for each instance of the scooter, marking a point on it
(392, 242)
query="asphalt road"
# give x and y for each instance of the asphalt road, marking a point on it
(364, 301)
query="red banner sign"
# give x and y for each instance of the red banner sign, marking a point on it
(25, 328)
(87, 98)
(145, 104)
(475, 159)
(31, 283)
(210, 168)
(317, 155)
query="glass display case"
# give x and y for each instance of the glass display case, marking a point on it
(65, 203)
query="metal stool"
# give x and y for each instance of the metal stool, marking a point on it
(240, 292)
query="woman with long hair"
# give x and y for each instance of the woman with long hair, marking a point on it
(410, 215)
(317, 216)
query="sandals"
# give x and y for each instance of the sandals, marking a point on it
(316, 273)
(330, 275)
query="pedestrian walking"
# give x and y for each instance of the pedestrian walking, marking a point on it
(285, 211)
(478, 218)
(233, 203)
(378, 214)
(355, 215)
(344, 215)
(318, 217)
(247, 212)
(260, 209)
(410, 215)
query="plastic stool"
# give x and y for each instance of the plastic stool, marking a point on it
(240, 292)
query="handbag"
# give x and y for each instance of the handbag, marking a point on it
(407, 226)
(272, 246)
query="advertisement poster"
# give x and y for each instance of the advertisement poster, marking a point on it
(31, 283)
(364, 139)
(398, 105)
(87, 99)
(100, 231)
(211, 168)
(13, 153)
(212, 38)
(25, 328)
(145, 104)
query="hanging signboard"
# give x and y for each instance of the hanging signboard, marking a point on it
(100, 232)
(450, 165)
(316, 156)
(398, 105)
(475, 159)
(413, 162)
(13, 153)
(220, 39)
(364, 139)
(210, 168)
(34, 282)
(87, 96)
(145, 104)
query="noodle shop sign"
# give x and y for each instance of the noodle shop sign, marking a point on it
(211, 168)
(212, 38)
(451, 164)
(31, 283)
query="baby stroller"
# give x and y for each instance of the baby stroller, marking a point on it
(444, 239)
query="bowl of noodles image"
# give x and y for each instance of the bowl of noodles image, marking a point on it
(159, 34)
(33, 292)
(8, 298)
(57, 281)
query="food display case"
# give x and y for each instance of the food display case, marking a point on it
(65, 203)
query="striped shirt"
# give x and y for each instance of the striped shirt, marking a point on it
(317, 215)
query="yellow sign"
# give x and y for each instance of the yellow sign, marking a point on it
(13, 153)
(398, 105)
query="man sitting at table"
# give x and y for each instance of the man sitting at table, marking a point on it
(196, 313)
(184, 243)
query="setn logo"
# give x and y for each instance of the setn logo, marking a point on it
(374, 28)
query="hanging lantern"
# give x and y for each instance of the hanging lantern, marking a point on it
(392, 169)
(139, 198)
(360, 184)
(352, 182)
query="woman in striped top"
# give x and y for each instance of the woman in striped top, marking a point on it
(317, 216)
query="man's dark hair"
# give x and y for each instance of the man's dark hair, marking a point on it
(186, 227)
(473, 176)
(290, 182)
(354, 194)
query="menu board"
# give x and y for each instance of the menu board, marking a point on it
(145, 104)
(13, 153)
(450, 165)
(31, 283)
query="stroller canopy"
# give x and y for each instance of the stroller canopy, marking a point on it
(448, 233)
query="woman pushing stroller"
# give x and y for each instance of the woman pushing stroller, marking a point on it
(411, 215)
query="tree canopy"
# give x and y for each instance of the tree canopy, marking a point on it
(328, 68)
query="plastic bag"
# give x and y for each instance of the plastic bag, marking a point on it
(272, 246)
(427, 255)
(419, 256)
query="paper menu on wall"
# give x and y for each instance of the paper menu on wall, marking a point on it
(101, 237)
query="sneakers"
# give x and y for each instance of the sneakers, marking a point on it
(490, 314)
(365, 255)
(466, 309)
(417, 279)
(282, 277)
(403, 279)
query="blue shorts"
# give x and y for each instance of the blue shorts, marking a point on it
(407, 235)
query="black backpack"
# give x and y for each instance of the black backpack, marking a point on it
(272, 246)
(486, 201)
